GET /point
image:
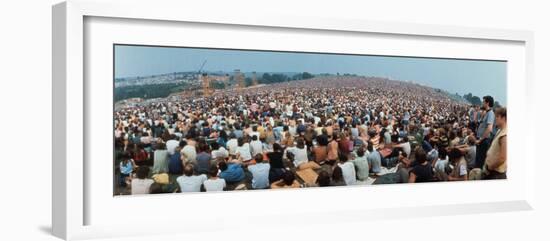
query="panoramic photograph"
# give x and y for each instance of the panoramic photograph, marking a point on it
(192, 120)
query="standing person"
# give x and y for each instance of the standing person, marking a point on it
(484, 131)
(214, 183)
(260, 173)
(495, 164)
(189, 182)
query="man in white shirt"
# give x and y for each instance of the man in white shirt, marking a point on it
(218, 151)
(171, 146)
(243, 150)
(232, 144)
(348, 170)
(214, 183)
(141, 184)
(254, 132)
(189, 182)
(300, 154)
(256, 146)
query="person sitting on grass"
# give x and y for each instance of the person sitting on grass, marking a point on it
(157, 188)
(277, 167)
(175, 165)
(337, 177)
(256, 146)
(204, 159)
(423, 171)
(460, 170)
(214, 183)
(288, 181)
(300, 155)
(126, 168)
(323, 180)
(374, 159)
(231, 172)
(348, 169)
(441, 164)
(141, 184)
(218, 151)
(189, 182)
(243, 151)
(160, 158)
(361, 164)
(260, 172)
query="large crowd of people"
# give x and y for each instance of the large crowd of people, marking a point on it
(340, 130)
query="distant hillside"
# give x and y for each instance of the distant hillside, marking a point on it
(160, 86)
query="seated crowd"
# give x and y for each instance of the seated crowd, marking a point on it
(266, 138)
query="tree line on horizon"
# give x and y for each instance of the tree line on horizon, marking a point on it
(476, 100)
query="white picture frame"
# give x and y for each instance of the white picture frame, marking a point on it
(72, 194)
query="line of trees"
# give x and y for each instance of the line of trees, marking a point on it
(148, 91)
(475, 100)
(278, 78)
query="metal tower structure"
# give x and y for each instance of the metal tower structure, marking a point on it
(239, 79)
(206, 90)
(254, 80)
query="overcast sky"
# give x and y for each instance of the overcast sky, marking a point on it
(479, 77)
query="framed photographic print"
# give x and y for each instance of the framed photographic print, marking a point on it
(243, 118)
